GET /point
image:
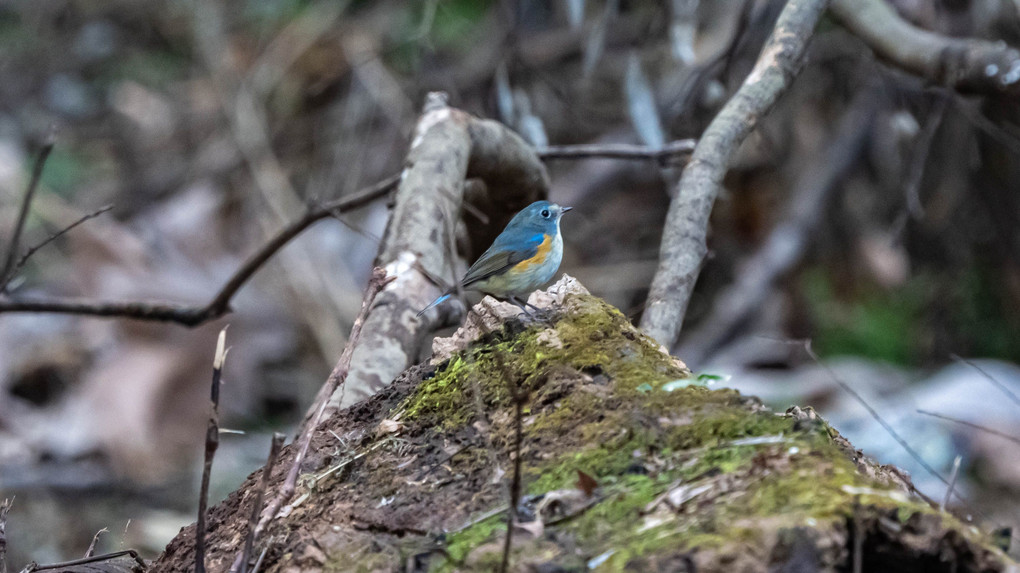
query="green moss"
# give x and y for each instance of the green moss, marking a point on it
(459, 544)
(597, 403)
(596, 337)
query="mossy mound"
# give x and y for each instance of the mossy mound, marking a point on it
(685, 478)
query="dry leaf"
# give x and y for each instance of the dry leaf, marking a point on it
(586, 483)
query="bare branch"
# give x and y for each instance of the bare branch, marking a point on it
(26, 204)
(665, 154)
(6, 280)
(110, 562)
(188, 315)
(1002, 387)
(964, 64)
(986, 429)
(684, 237)
(219, 305)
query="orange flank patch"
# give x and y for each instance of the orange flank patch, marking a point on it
(539, 258)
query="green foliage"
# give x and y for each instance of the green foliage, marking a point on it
(879, 324)
(926, 318)
(981, 314)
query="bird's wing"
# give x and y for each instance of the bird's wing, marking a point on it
(501, 256)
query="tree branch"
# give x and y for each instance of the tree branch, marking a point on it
(965, 64)
(188, 315)
(26, 203)
(219, 305)
(618, 151)
(684, 236)
(6, 279)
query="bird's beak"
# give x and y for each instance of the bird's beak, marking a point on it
(565, 209)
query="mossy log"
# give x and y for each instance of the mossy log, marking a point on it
(627, 462)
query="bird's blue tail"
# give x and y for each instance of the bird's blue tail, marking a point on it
(434, 303)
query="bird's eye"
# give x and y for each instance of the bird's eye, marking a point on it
(545, 213)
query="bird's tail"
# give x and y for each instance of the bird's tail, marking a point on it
(442, 298)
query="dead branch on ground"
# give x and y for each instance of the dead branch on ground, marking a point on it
(966, 64)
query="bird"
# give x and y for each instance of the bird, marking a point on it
(523, 257)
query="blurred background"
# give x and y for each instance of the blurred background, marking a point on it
(871, 214)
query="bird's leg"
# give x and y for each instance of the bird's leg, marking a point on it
(521, 305)
(540, 313)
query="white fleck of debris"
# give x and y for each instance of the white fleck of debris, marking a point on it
(793, 451)
(811, 522)
(427, 122)
(757, 440)
(596, 561)
(991, 70)
(550, 338)
(678, 496)
(403, 263)
(386, 501)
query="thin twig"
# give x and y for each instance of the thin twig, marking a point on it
(26, 203)
(258, 562)
(335, 380)
(95, 539)
(952, 483)
(212, 442)
(515, 483)
(1002, 387)
(618, 151)
(32, 250)
(877, 417)
(5, 508)
(858, 557)
(188, 315)
(922, 147)
(256, 508)
(86, 560)
(219, 305)
(986, 429)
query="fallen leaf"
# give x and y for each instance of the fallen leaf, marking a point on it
(586, 483)
(389, 427)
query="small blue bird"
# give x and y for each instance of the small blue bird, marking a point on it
(522, 258)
